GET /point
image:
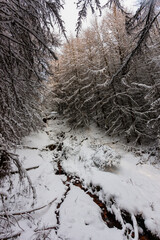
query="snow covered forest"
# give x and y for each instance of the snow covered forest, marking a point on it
(96, 81)
(79, 122)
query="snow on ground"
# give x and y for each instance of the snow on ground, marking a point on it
(99, 161)
(81, 219)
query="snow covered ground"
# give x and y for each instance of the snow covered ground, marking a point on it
(104, 167)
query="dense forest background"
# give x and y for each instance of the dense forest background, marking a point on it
(109, 74)
(98, 78)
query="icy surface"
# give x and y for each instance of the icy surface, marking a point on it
(98, 161)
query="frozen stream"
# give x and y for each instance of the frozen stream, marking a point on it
(86, 175)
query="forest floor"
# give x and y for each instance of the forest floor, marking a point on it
(88, 186)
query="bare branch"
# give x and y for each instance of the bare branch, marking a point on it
(28, 211)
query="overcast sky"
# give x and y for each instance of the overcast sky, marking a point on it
(69, 14)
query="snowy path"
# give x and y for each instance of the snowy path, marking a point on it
(94, 198)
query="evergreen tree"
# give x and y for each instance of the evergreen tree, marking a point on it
(27, 39)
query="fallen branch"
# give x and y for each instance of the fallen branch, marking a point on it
(27, 211)
(27, 169)
(45, 229)
(32, 148)
(23, 171)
